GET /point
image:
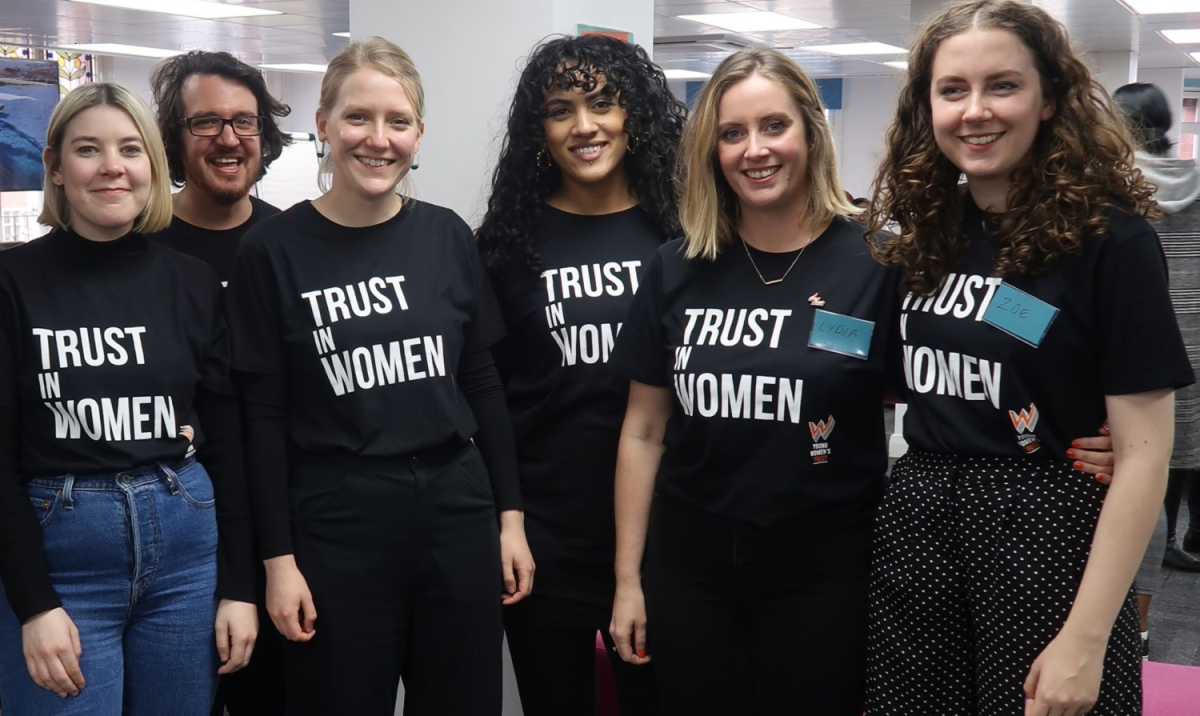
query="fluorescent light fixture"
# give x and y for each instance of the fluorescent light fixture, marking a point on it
(686, 75)
(187, 8)
(1162, 7)
(294, 67)
(751, 21)
(345, 34)
(855, 48)
(1183, 37)
(116, 48)
(901, 65)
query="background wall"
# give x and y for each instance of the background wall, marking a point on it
(868, 105)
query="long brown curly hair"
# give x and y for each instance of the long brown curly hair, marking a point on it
(1082, 160)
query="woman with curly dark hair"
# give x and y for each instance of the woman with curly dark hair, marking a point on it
(1037, 307)
(581, 199)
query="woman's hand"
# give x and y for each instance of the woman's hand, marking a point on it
(52, 650)
(628, 625)
(237, 629)
(516, 561)
(1065, 678)
(1094, 455)
(289, 601)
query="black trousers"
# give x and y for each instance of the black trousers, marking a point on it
(258, 689)
(552, 641)
(746, 621)
(1182, 481)
(403, 560)
(976, 564)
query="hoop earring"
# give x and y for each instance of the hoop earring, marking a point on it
(416, 162)
(542, 155)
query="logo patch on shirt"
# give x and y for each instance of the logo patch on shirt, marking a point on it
(816, 300)
(821, 430)
(1025, 422)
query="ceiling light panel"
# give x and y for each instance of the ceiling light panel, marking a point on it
(1162, 7)
(1183, 37)
(115, 48)
(855, 48)
(897, 65)
(294, 67)
(752, 21)
(685, 75)
(186, 8)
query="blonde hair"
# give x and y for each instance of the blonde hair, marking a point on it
(378, 54)
(708, 207)
(56, 210)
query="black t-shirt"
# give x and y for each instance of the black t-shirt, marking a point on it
(102, 359)
(974, 389)
(366, 325)
(767, 429)
(567, 405)
(214, 247)
(108, 352)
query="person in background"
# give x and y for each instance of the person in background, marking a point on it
(220, 128)
(1002, 583)
(381, 457)
(1147, 114)
(124, 524)
(581, 199)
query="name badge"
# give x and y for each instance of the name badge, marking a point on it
(1020, 315)
(836, 333)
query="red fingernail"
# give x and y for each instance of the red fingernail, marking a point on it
(1070, 453)
(641, 653)
(1074, 443)
(1078, 465)
(1101, 478)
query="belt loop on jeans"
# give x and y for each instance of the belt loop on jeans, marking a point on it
(172, 478)
(68, 485)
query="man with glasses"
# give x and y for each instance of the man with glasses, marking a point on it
(221, 130)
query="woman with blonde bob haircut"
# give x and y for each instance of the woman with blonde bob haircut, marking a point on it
(56, 209)
(124, 523)
(752, 453)
(392, 439)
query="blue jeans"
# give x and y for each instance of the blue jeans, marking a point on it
(133, 557)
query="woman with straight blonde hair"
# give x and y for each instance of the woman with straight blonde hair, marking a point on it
(752, 454)
(115, 542)
(361, 325)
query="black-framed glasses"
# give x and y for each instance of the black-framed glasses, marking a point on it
(246, 125)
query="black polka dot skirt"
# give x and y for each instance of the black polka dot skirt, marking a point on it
(976, 564)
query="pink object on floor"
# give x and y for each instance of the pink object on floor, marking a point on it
(1170, 689)
(606, 688)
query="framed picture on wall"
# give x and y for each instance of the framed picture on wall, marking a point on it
(28, 92)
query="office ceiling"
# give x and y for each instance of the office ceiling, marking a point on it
(305, 32)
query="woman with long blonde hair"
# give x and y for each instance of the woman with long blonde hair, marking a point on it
(752, 453)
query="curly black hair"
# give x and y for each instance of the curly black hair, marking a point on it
(654, 122)
(167, 83)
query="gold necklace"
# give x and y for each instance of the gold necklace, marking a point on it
(785, 273)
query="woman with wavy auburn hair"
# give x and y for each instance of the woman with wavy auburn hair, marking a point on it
(1037, 307)
(752, 453)
(124, 523)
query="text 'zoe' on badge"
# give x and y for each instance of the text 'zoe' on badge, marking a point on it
(1020, 315)
(836, 333)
